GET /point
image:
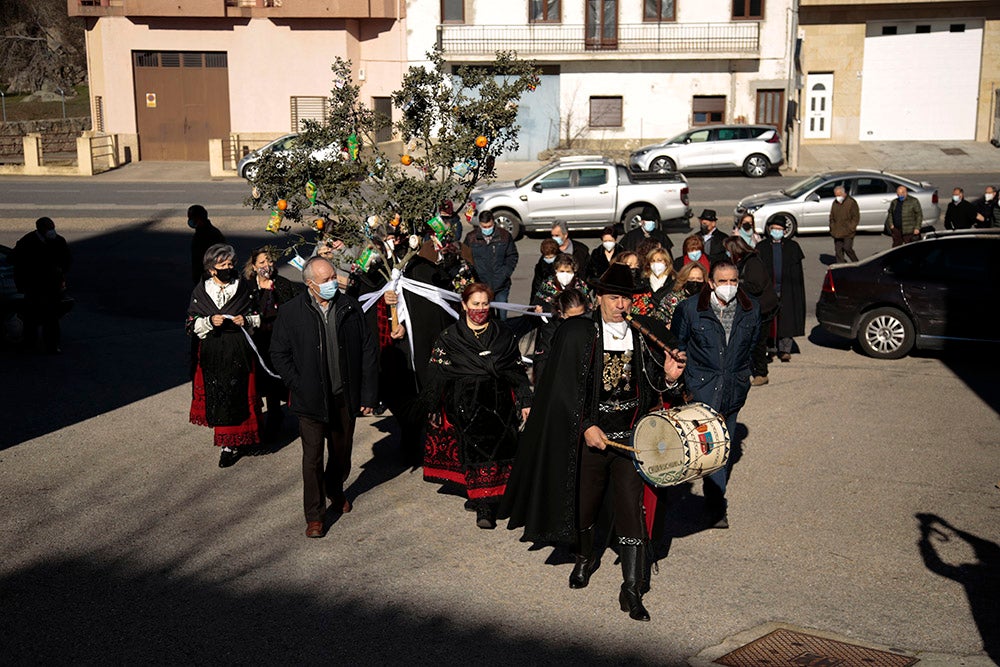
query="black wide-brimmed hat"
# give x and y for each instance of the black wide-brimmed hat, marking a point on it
(708, 214)
(618, 279)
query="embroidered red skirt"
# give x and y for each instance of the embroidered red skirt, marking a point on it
(443, 463)
(247, 433)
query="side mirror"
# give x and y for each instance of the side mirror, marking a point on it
(687, 140)
(537, 187)
(813, 197)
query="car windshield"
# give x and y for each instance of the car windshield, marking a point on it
(803, 187)
(533, 175)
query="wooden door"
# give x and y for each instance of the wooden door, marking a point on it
(771, 108)
(182, 101)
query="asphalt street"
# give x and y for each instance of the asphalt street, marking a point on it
(863, 497)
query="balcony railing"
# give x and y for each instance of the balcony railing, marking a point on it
(541, 39)
(279, 9)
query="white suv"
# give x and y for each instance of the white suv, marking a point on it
(754, 149)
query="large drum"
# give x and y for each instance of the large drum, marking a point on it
(680, 444)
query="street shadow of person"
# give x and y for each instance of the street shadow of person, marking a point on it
(981, 579)
(827, 259)
(385, 464)
(823, 338)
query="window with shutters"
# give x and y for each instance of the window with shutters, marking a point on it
(544, 11)
(708, 109)
(658, 10)
(606, 111)
(748, 9)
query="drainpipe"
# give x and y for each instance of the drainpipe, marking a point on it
(793, 139)
(3, 102)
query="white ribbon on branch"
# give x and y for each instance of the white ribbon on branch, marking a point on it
(401, 285)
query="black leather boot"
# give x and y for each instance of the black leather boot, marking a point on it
(580, 576)
(633, 555)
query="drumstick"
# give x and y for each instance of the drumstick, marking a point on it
(649, 334)
(620, 446)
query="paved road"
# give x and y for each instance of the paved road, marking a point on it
(108, 196)
(123, 542)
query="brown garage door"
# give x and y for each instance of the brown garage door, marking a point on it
(181, 101)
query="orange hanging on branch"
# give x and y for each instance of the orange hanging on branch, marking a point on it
(406, 160)
(282, 204)
(319, 224)
(482, 141)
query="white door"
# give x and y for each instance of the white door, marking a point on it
(819, 106)
(920, 80)
(551, 197)
(594, 195)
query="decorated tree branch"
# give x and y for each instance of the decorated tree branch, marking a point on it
(338, 182)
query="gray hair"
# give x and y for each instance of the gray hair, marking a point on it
(841, 188)
(217, 253)
(561, 226)
(307, 268)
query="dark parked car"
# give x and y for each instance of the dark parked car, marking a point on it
(928, 294)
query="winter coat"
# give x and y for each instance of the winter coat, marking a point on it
(494, 260)
(297, 355)
(717, 371)
(912, 215)
(792, 288)
(844, 218)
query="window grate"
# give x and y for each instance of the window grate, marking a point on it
(147, 59)
(171, 59)
(192, 60)
(216, 60)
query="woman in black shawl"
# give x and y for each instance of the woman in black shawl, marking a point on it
(224, 392)
(480, 392)
(268, 290)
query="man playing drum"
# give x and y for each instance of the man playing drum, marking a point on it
(571, 446)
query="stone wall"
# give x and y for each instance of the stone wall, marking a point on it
(58, 134)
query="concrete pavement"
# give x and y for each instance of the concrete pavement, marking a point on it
(863, 505)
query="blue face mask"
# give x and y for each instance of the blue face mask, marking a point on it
(487, 231)
(694, 255)
(746, 236)
(901, 197)
(648, 225)
(729, 254)
(777, 234)
(558, 240)
(549, 260)
(327, 290)
(192, 224)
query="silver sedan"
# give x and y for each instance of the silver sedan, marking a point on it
(805, 206)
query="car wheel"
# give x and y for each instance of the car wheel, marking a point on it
(756, 166)
(885, 333)
(632, 218)
(791, 224)
(663, 164)
(507, 219)
(250, 171)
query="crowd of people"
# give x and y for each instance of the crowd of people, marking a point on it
(519, 411)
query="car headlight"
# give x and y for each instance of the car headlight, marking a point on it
(640, 153)
(477, 200)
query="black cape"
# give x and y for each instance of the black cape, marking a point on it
(542, 493)
(792, 298)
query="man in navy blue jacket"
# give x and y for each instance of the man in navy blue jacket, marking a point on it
(718, 328)
(494, 255)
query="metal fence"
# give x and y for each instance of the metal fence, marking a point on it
(535, 39)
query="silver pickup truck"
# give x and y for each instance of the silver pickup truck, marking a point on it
(585, 192)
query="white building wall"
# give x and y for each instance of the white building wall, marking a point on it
(657, 92)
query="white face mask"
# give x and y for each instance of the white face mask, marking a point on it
(726, 293)
(564, 277)
(956, 198)
(988, 196)
(840, 199)
(609, 245)
(658, 268)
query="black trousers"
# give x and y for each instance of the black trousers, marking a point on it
(42, 311)
(843, 247)
(758, 355)
(318, 481)
(597, 468)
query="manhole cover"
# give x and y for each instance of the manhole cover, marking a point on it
(785, 647)
(953, 151)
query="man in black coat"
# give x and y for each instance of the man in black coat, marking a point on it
(712, 236)
(783, 258)
(648, 228)
(580, 252)
(589, 395)
(961, 214)
(494, 255)
(325, 353)
(41, 259)
(205, 236)
(988, 209)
